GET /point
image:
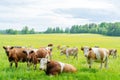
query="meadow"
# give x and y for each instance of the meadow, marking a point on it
(73, 40)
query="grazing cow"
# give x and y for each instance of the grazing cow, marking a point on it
(96, 54)
(15, 54)
(70, 52)
(34, 54)
(53, 67)
(113, 52)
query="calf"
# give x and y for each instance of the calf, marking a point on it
(96, 54)
(34, 54)
(53, 67)
(70, 52)
(15, 54)
(113, 52)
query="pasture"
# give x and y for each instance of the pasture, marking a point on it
(72, 40)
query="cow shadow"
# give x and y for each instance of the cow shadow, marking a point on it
(90, 70)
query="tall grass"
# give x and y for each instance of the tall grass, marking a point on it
(73, 40)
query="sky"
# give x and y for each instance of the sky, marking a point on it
(41, 14)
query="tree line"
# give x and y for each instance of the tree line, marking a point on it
(110, 29)
(25, 30)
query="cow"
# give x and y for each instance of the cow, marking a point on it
(15, 54)
(96, 54)
(70, 52)
(53, 67)
(34, 54)
(113, 52)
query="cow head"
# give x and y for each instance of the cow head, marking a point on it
(86, 50)
(63, 51)
(29, 53)
(43, 63)
(113, 52)
(7, 49)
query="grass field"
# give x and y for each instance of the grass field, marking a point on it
(73, 40)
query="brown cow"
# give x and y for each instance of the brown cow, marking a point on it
(15, 54)
(34, 54)
(96, 54)
(53, 67)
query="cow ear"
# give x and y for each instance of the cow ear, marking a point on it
(82, 48)
(24, 51)
(115, 50)
(90, 48)
(12, 47)
(4, 47)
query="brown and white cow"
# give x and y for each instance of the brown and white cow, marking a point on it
(113, 52)
(34, 54)
(96, 54)
(15, 54)
(53, 67)
(70, 52)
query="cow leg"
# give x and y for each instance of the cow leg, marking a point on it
(50, 56)
(16, 64)
(76, 56)
(11, 63)
(28, 65)
(67, 55)
(35, 66)
(106, 63)
(89, 61)
(101, 64)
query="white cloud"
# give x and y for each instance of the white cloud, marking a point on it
(40, 14)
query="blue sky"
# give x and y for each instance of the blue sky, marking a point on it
(41, 14)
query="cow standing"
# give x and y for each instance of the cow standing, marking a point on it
(15, 54)
(34, 54)
(96, 54)
(70, 52)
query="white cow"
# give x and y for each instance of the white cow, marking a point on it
(96, 54)
(70, 52)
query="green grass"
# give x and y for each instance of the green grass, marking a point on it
(77, 40)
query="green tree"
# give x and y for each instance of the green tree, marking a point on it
(25, 30)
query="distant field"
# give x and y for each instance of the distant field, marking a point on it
(73, 40)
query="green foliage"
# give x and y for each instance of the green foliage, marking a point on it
(54, 30)
(111, 29)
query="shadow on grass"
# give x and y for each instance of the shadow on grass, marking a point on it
(88, 70)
